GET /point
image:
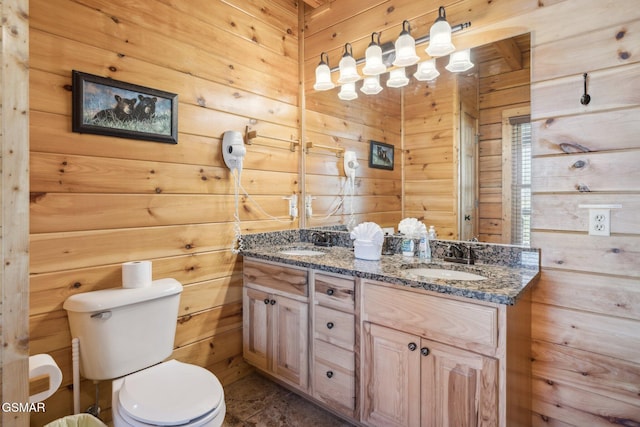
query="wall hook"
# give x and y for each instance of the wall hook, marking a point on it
(586, 98)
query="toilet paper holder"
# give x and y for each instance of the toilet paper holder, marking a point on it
(45, 377)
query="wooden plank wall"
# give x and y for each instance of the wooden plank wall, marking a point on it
(98, 201)
(503, 85)
(586, 308)
(14, 209)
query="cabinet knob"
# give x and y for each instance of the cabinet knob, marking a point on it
(330, 291)
(412, 346)
(329, 374)
(330, 325)
(266, 301)
(424, 351)
(272, 302)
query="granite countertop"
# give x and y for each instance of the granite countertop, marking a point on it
(503, 283)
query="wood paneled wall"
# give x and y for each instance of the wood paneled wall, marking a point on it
(586, 307)
(98, 201)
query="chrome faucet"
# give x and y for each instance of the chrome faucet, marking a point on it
(462, 254)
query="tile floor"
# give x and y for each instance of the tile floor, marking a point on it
(255, 401)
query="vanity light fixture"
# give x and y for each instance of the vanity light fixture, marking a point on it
(323, 74)
(348, 70)
(398, 78)
(460, 61)
(400, 54)
(371, 85)
(426, 71)
(440, 36)
(373, 57)
(405, 47)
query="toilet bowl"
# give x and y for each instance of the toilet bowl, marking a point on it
(171, 393)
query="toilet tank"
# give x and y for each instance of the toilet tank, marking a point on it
(124, 330)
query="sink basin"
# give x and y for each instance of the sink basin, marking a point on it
(301, 252)
(440, 273)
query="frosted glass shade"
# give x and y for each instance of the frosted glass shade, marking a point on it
(371, 85)
(348, 92)
(323, 78)
(398, 78)
(348, 70)
(405, 51)
(426, 71)
(460, 61)
(440, 39)
(373, 65)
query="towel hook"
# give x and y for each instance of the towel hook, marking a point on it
(586, 98)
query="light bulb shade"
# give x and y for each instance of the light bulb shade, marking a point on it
(440, 36)
(398, 78)
(405, 48)
(460, 61)
(426, 71)
(347, 66)
(371, 85)
(348, 92)
(373, 65)
(323, 78)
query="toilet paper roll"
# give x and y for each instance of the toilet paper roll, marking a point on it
(43, 365)
(136, 274)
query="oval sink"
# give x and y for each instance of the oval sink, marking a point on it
(440, 273)
(301, 252)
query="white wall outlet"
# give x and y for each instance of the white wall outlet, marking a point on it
(599, 222)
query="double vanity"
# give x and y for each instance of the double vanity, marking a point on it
(394, 342)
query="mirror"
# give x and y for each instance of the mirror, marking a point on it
(454, 133)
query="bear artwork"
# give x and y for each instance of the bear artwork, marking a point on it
(146, 108)
(122, 111)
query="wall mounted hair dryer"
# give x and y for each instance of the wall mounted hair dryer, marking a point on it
(350, 164)
(233, 150)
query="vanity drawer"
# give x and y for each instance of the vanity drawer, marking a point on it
(334, 377)
(278, 277)
(440, 318)
(335, 327)
(333, 291)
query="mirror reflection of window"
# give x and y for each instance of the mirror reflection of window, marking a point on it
(517, 178)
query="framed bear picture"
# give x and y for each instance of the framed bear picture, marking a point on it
(380, 155)
(105, 106)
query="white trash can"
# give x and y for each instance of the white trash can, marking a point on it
(79, 420)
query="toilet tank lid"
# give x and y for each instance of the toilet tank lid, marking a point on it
(112, 298)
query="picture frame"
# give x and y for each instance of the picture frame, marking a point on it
(381, 155)
(104, 106)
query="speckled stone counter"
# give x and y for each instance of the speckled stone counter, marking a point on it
(508, 269)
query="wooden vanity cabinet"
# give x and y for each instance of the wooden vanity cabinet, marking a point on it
(334, 342)
(276, 321)
(431, 360)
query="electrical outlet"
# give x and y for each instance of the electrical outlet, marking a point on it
(599, 222)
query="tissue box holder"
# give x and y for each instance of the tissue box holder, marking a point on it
(366, 249)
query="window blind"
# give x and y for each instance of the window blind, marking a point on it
(521, 180)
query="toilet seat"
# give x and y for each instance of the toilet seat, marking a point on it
(169, 394)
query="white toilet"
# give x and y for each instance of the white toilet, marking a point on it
(125, 334)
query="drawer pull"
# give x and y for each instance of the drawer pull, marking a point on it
(272, 302)
(412, 346)
(266, 301)
(329, 374)
(330, 325)
(424, 351)
(330, 291)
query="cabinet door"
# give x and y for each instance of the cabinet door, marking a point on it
(290, 341)
(255, 327)
(459, 388)
(391, 377)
